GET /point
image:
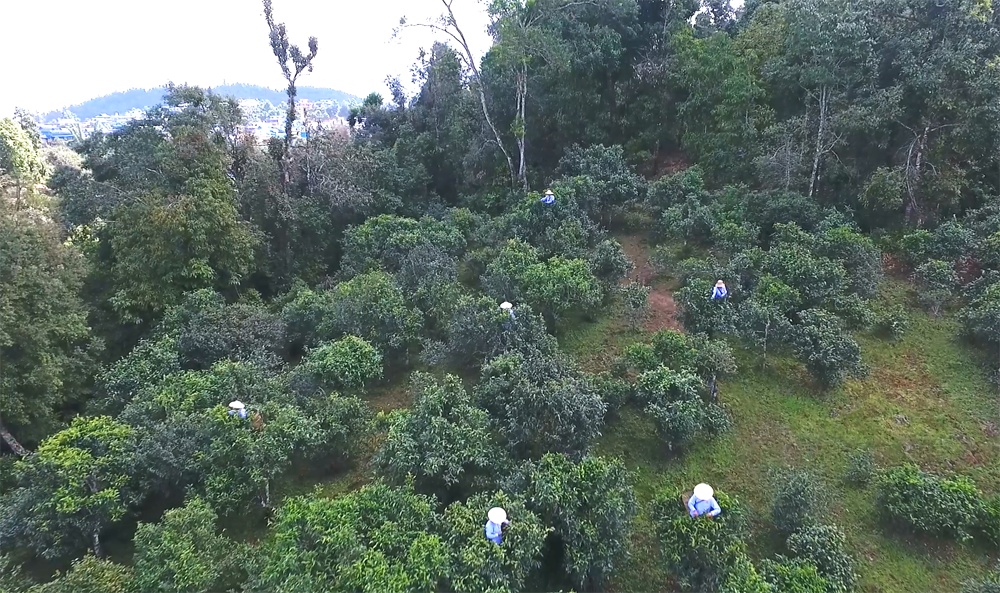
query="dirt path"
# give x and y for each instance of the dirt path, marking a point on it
(662, 307)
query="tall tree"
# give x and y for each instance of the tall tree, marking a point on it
(46, 350)
(20, 164)
(447, 24)
(292, 62)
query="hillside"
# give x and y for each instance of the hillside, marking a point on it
(123, 101)
(651, 301)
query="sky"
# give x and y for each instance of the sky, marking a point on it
(63, 52)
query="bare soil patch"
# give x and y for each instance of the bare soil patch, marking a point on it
(662, 307)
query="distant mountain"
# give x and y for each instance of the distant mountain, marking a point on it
(123, 101)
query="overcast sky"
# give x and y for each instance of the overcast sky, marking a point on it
(61, 52)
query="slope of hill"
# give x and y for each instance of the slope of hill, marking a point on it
(123, 101)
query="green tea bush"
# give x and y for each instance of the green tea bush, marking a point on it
(860, 467)
(699, 551)
(793, 575)
(891, 321)
(825, 546)
(925, 503)
(798, 500)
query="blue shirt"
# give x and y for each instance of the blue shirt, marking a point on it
(719, 292)
(241, 412)
(548, 199)
(702, 507)
(494, 532)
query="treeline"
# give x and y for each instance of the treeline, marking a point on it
(125, 101)
(181, 266)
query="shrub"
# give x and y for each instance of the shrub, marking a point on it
(891, 321)
(671, 190)
(91, 575)
(640, 357)
(699, 313)
(609, 263)
(635, 302)
(479, 330)
(147, 364)
(590, 504)
(673, 349)
(347, 364)
(743, 577)
(385, 240)
(209, 330)
(614, 181)
(713, 358)
(860, 467)
(699, 551)
(733, 238)
(912, 499)
(613, 390)
(503, 277)
(936, 281)
(663, 385)
(370, 306)
(793, 576)
(560, 286)
(988, 525)
(981, 319)
(429, 279)
(184, 553)
(443, 443)
(682, 422)
(798, 500)
(540, 404)
(829, 353)
(11, 578)
(826, 548)
(859, 255)
(398, 542)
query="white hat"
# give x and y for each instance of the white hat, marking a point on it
(720, 283)
(703, 492)
(548, 192)
(497, 515)
(506, 306)
(237, 405)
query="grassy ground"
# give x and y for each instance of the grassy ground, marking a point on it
(926, 400)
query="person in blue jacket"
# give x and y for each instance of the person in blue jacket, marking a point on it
(548, 198)
(719, 292)
(237, 408)
(703, 503)
(494, 526)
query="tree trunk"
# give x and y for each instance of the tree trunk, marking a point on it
(914, 176)
(95, 543)
(668, 10)
(522, 94)
(823, 93)
(767, 330)
(713, 390)
(8, 438)
(470, 61)
(286, 163)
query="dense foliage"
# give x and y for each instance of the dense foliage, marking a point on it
(463, 238)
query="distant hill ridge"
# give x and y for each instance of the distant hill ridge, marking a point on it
(123, 101)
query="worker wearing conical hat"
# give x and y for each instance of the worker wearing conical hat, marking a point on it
(497, 518)
(719, 292)
(702, 503)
